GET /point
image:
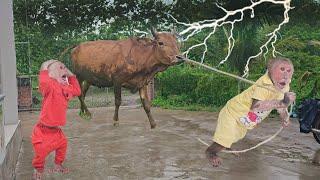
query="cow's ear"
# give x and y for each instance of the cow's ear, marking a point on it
(154, 33)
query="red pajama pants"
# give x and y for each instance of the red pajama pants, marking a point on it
(45, 140)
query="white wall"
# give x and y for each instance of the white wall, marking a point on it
(8, 63)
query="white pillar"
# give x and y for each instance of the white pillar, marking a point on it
(8, 63)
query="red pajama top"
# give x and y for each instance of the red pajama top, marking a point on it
(55, 98)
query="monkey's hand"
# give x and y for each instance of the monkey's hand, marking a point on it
(289, 98)
(284, 115)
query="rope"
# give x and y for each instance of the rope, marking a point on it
(227, 74)
(250, 82)
(249, 149)
(259, 144)
(315, 130)
(265, 141)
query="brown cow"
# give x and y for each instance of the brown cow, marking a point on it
(129, 63)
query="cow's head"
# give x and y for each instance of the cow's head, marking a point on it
(167, 47)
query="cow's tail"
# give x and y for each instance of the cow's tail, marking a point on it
(67, 62)
(66, 50)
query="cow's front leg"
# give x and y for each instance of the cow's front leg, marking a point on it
(146, 102)
(117, 96)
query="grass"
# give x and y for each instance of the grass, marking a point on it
(167, 104)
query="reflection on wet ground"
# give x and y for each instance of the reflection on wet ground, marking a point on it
(97, 150)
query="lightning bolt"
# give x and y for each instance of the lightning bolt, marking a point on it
(143, 33)
(193, 29)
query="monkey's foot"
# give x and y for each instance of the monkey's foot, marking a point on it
(215, 161)
(211, 155)
(37, 175)
(60, 169)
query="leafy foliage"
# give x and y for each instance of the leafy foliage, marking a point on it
(44, 28)
(185, 86)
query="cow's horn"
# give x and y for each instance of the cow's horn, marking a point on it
(154, 32)
(173, 30)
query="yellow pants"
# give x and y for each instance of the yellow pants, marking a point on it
(228, 130)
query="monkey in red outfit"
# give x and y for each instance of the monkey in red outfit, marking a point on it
(57, 85)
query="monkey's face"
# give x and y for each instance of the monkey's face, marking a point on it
(281, 74)
(58, 71)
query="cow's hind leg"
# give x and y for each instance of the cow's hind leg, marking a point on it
(146, 102)
(117, 97)
(84, 112)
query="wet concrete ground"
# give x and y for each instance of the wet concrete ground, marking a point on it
(97, 150)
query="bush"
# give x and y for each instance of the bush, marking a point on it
(215, 89)
(184, 86)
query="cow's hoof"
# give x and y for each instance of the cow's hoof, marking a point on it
(153, 126)
(85, 115)
(115, 123)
